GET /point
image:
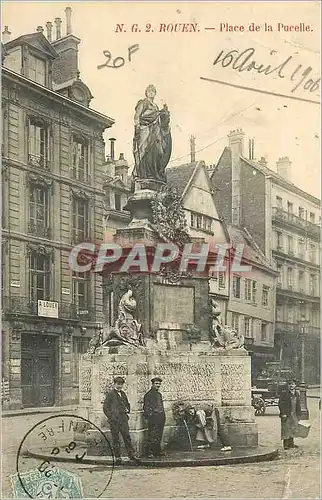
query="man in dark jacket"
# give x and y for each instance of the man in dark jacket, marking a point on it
(116, 408)
(153, 411)
(290, 413)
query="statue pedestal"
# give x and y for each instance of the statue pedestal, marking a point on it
(221, 379)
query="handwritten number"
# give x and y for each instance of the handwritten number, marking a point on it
(78, 458)
(118, 62)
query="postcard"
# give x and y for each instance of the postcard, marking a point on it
(160, 249)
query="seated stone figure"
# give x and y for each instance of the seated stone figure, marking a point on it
(223, 336)
(126, 329)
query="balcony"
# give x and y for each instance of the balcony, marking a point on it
(37, 161)
(24, 306)
(295, 329)
(297, 293)
(39, 229)
(280, 215)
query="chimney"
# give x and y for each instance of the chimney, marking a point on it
(236, 145)
(68, 13)
(6, 35)
(49, 27)
(65, 67)
(236, 142)
(284, 167)
(40, 29)
(192, 148)
(58, 27)
(263, 161)
(112, 148)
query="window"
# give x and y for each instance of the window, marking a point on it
(289, 277)
(236, 287)
(265, 296)
(301, 248)
(301, 212)
(279, 240)
(279, 202)
(235, 321)
(248, 327)
(118, 205)
(200, 221)
(81, 292)
(39, 269)
(80, 346)
(312, 217)
(290, 207)
(37, 69)
(279, 277)
(312, 254)
(264, 331)
(248, 289)
(290, 244)
(221, 280)
(38, 210)
(254, 292)
(313, 288)
(80, 219)
(301, 281)
(80, 160)
(37, 144)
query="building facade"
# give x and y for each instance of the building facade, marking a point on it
(284, 221)
(251, 306)
(52, 198)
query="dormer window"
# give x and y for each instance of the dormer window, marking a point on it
(37, 69)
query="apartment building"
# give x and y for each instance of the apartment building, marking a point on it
(52, 198)
(251, 306)
(284, 221)
(117, 186)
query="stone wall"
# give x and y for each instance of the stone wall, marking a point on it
(217, 378)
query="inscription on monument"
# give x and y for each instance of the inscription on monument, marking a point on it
(233, 380)
(173, 305)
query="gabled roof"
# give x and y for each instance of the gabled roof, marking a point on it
(180, 176)
(36, 40)
(252, 252)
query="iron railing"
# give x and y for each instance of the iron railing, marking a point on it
(24, 306)
(294, 220)
(295, 328)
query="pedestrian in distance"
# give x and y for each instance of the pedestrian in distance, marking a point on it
(153, 411)
(116, 408)
(290, 414)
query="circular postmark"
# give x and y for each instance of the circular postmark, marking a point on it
(63, 456)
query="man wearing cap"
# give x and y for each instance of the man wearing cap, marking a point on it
(116, 408)
(153, 411)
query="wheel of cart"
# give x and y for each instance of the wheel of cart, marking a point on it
(259, 404)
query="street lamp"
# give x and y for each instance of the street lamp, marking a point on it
(302, 333)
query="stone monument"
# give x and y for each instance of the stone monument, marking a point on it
(163, 323)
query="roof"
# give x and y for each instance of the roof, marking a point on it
(89, 112)
(252, 253)
(280, 180)
(37, 40)
(180, 176)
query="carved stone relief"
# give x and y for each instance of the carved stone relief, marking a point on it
(86, 383)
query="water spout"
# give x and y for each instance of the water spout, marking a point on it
(188, 432)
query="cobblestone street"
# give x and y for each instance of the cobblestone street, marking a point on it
(294, 475)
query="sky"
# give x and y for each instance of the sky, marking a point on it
(174, 63)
